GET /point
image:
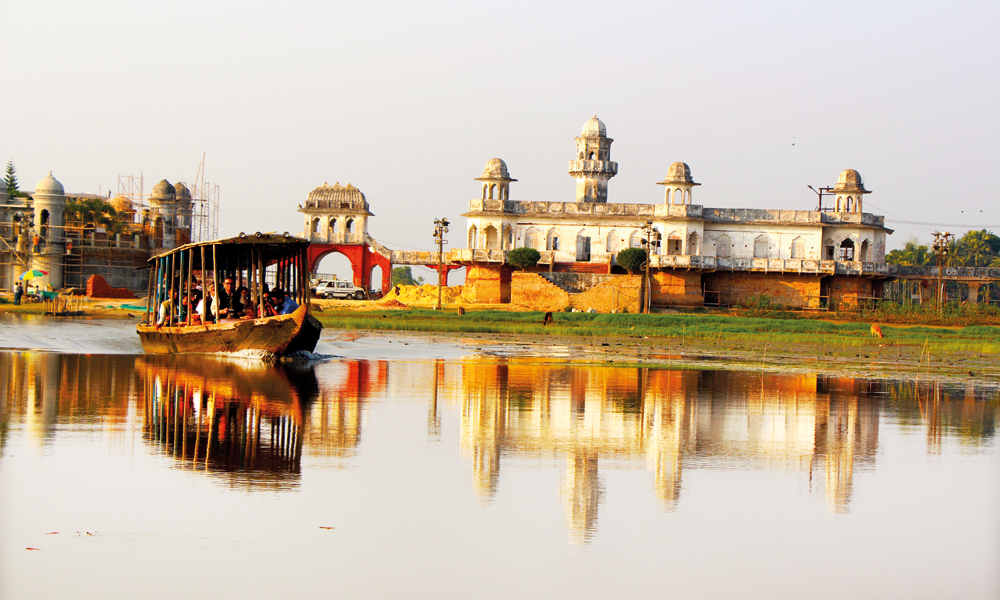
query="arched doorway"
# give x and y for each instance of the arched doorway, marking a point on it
(847, 250)
(376, 281)
(334, 266)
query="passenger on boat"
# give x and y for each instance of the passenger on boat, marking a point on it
(283, 304)
(229, 304)
(206, 305)
(166, 316)
(249, 311)
(267, 306)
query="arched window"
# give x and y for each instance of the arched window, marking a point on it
(552, 240)
(582, 246)
(473, 237)
(724, 246)
(43, 229)
(847, 250)
(798, 247)
(613, 242)
(760, 246)
(591, 157)
(635, 240)
(333, 225)
(863, 256)
(486, 187)
(492, 238)
(349, 226)
(493, 189)
(694, 244)
(314, 228)
(673, 243)
(532, 239)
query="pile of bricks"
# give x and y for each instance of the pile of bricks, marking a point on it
(97, 287)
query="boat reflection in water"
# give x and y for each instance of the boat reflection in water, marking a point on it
(258, 426)
(243, 419)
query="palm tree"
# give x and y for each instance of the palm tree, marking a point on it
(912, 253)
(978, 248)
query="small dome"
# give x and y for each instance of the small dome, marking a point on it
(181, 192)
(594, 127)
(50, 186)
(850, 181)
(340, 193)
(163, 191)
(679, 172)
(122, 204)
(496, 169)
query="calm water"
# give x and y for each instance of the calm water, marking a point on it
(420, 471)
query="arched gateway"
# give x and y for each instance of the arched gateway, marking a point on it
(336, 220)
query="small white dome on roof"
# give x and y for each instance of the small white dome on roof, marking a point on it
(594, 127)
(850, 181)
(49, 185)
(496, 169)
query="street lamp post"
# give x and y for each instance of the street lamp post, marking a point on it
(440, 229)
(650, 242)
(941, 249)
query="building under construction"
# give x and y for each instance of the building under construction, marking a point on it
(74, 236)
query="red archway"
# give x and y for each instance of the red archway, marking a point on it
(363, 260)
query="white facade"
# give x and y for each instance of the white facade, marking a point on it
(595, 231)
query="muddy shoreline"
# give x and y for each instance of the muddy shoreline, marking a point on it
(883, 360)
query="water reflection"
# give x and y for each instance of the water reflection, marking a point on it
(826, 428)
(239, 418)
(250, 425)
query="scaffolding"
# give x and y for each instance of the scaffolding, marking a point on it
(204, 206)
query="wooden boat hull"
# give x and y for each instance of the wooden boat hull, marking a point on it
(279, 335)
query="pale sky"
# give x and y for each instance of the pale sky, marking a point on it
(408, 101)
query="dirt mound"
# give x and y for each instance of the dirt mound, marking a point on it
(424, 295)
(393, 303)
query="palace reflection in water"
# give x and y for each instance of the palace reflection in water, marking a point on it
(251, 424)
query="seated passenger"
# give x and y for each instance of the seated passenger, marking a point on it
(246, 303)
(283, 304)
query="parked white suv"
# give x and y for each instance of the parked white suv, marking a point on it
(338, 289)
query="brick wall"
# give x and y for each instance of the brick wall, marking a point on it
(97, 287)
(846, 291)
(487, 285)
(617, 294)
(783, 289)
(676, 288)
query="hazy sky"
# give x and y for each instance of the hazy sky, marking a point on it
(408, 101)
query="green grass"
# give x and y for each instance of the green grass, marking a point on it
(709, 328)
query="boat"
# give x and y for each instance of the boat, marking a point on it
(260, 262)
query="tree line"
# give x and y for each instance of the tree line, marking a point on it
(977, 248)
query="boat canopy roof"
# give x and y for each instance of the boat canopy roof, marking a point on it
(272, 246)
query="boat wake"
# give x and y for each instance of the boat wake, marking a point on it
(257, 355)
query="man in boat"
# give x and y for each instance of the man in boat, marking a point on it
(166, 316)
(284, 305)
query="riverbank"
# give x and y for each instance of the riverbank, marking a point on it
(692, 340)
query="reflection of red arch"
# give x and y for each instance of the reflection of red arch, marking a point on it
(362, 258)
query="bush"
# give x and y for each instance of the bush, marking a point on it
(523, 258)
(631, 259)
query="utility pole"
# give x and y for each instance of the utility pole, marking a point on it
(440, 228)
(823, 191)
(941, 249)
(650, 243)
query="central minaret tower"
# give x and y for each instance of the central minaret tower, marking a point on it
(593, 166)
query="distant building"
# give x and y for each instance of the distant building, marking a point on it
(699, 255)
(41, 232)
